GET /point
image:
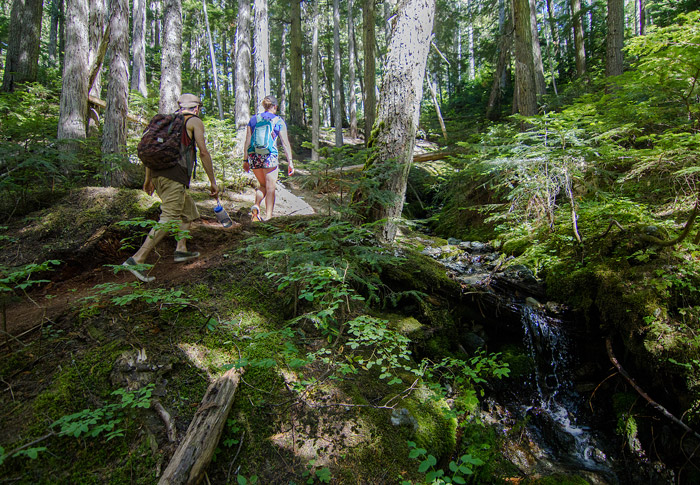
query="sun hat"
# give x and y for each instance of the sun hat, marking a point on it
(188, 101)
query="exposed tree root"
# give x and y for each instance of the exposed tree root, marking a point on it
(654, 404)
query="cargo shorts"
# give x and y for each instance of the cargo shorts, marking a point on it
(176, 202)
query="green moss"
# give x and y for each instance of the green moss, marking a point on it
(519, 361)
(437, 427)
(558, 479)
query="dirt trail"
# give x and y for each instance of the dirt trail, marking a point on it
(61, 297)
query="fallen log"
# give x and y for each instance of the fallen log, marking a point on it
(190, 460)
(430, 156)
(103, 104)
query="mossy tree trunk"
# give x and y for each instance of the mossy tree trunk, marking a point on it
(296, 84)
(615, 38)
(525, 86)
(74, 95)
(370, 101)
(22, 62)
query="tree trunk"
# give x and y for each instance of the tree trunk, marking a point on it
(351, 72)
(283, 73)
(74, 95)
(315, 128)
(642, 17)
(369, 98)
(22, 61)
(579, 46)
(214, 66)
(399, 109)
(296, 81)
(114, 136)
(554, 29)
(98, 24)
(504, 48)
(525, 87)
(53, 30)
(138, 42)
(190, 460)
(261, 53)
(615, 38)
(537, 51)
(431, 85)
(242, 74)
(171, 57)
(337, 81)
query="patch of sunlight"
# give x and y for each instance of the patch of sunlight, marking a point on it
(206, 359)
(322, 429)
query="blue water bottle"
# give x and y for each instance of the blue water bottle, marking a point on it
(222, 215)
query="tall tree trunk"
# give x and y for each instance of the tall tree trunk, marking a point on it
(337, 81)
(369, 98)
(470, 36)
(53, 30)
(261, 53)
(283, 73)
(315, 128)
(138, 43)
(504, 48)
(74, 95)
(22, 61)
(214, 66)
(242, 74)
(579, 46)
(615, 38)
(525, 87)
(351, 72)
(399, 108)
(537, 51)
(554, 29)
(296, 81)
(114, 136)
(225, 66)
(642, 17)
(98, 24)
(158, 21)
(171, 57)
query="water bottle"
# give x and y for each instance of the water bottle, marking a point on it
(222, 215)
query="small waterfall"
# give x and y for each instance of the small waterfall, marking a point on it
(554, 400)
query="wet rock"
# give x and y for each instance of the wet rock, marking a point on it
(472, 342)
(453, 241)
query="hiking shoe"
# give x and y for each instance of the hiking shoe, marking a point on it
(255, 214)
(182, 256)
(131, 265)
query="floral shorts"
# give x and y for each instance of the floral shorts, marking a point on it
(256, 160)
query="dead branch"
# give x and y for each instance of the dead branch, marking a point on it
(684, 233)
(103, 104)
(613, 222)
(167, 420)
(654, 404)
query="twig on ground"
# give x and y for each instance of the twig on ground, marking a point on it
(167, 420)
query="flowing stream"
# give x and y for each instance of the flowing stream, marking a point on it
(558, 438)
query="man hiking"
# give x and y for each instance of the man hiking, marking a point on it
(171, 185)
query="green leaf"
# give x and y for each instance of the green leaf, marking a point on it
(429, 462)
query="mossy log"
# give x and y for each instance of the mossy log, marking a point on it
(190, 460)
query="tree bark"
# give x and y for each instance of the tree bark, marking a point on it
(505, 45)
(190, 460)
(53, 30)
(283, 73)
(74, 95)
(171, 57)
(315, 128)
(138, 42)
(537, 51)
(615, 38)
(296, 81)
(579, 45)
(337, 81)
(351, 72)
(433, 94)
(114, 136)
(399, 109)
(242, 74)
(214, 66)
(261, 53)
(525, 87)
(642, 17)
(369, 99)
(98, 30)
(22, 61)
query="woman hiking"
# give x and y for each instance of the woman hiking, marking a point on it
(261, 154)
